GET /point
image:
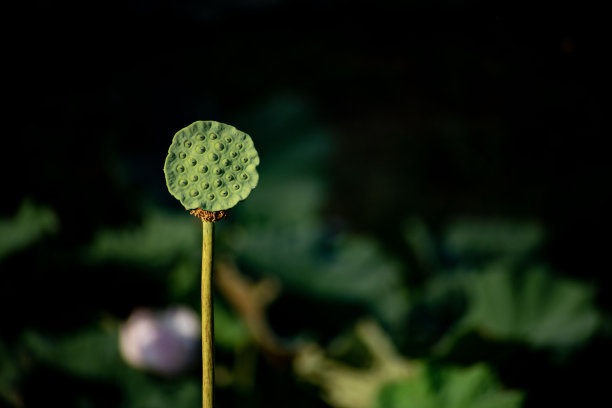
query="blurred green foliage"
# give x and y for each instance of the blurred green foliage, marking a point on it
(141, 245)
(30, 224)
(482, 277)
(472, 387)
(306, 264)
(448, 185)
(493, 239)
(530, 306)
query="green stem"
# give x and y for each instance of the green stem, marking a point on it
(207, 316)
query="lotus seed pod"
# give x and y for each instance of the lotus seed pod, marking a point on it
(204, 154)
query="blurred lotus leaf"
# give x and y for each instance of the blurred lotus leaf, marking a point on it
(470, 387)
(91, 353)
(533, 307)
(161, 239)
(347, 269)
(29, 225)
(469, 239)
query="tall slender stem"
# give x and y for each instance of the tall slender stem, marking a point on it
(207, 316)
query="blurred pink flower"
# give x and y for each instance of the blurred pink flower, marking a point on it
(164, 342)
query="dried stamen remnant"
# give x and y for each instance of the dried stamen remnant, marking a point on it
(209, 216)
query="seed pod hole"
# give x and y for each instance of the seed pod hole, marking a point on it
(200, 136)
(194, 178)
(229, 177)
(183, 182)
(204, 169)
(234, 154)
(226, 162)
(194, 193)
(211, 197)
(188, 143)
(193, 161)
(236, 186)
(214, 157)
(228, 139)
(218, 183)
(201, 149)
(218, 171)
(239, 146)
(180, 168)
(224, 193)
(182, 155)
(205, 186)
(244, 176)
(245, 159)
(213, 136)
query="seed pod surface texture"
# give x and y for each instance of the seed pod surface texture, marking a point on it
(211, 165)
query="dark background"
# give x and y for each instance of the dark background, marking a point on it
(457, 111)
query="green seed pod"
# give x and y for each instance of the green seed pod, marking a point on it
(186, 162)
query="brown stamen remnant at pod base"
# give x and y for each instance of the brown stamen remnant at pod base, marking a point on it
(209, 216)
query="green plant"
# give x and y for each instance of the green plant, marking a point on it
(210, 167)
(449, 387)
(30, 224)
